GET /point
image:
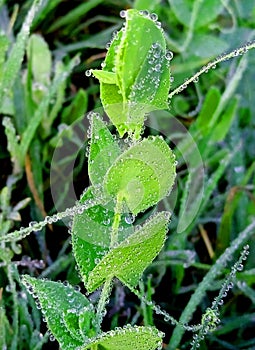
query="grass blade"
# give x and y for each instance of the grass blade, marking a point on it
(40, 112)
(207, 281)
(13, 64)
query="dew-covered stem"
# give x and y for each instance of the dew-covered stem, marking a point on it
(237, 52)
(210, 318)
(105, 293)
(104, 297)
(207, 281)
(37, 226)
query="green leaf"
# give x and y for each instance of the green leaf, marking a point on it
(223, 125)
(57, 302)
(133, 45)
(137, 86)
(129, 259)
(80, 324)
(4, 43)
(38, 52)
(208, 11)
(206, 46)
(103, 150)
(142, 175)
(105, 77)
(146, 4)
(128, 338)
(91, 232)
(210, 104)
(76, 109)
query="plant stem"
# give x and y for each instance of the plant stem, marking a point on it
(116, 221)
(240, 51)
(211, 275)
(105, 293)
(23, 232)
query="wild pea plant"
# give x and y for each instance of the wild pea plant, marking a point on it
(128, 175)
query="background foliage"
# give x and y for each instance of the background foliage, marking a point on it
(47, 91)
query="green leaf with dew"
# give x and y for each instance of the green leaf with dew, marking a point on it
(137, 86)
(104, 150)
(57, 301)
(142, 175)
(128, 259)
(91, 234)
(127, 338)
(105, 77)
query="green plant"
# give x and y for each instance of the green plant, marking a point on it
(127, 177)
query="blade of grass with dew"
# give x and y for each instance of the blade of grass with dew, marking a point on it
(60, 95)
(3, 330)
(40, 112)
(207, 281)
(13, 145)
(13, 64)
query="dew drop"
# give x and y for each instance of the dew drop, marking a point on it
(8, 288)
(107, 46)
(52, 338)
(123, 14)
(154, 17)
(32, 224)
(240, 267)
(230, 285)
(88, 73)
(144, 13)
(77, 288)
(169, 55)
(129, 219)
